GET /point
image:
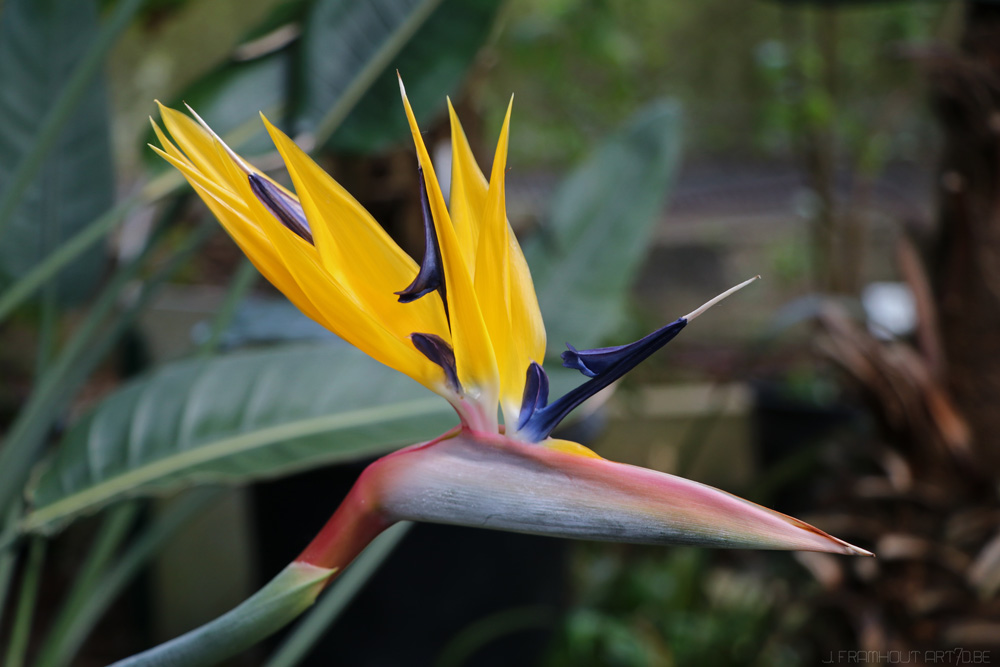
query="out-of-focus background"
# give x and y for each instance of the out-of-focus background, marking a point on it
(660, 152)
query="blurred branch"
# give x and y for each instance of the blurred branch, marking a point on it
(8, 557)
(111, 584)
(117, 522)
(18, 642)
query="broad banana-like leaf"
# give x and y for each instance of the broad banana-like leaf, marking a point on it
(245, 416)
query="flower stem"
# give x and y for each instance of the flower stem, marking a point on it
(286, 596)
(352, 527)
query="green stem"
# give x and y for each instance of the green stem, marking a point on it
(17, 293)
(18, 646)
(286, 596)
(72, 635)
(8, 557)
(241, 283)
(62, 110)
(47, 328)
(353, 526)
(113, 531)
(301, 640)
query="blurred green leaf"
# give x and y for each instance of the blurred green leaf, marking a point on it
(345, 47)
(245, 416)
(230, 98)
(284, 15)
(839, 3)
(600, 225)
(432, 63)
(343, 72)
(41, 43)
(242, 417)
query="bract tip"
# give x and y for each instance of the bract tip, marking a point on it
(708, 304)
(229, 151)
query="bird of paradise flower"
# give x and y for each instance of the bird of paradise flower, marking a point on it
(465, 323)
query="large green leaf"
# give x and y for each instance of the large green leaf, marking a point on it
(41, 41)
(248, 415)
(238, 418)
(600, 225)
(349, 43)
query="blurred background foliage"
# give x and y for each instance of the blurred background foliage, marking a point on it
(810, 155)
(740, 68)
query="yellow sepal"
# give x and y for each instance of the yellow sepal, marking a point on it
(492, 281)
(468, 191)
(356, 251)
(474, 355)
(522, 328)
(291, 264)
(570, 447)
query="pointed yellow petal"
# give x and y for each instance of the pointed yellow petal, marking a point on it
(231, 212)
(525, 316)
(197, 144)
(194, 176)
(525, 328)
(474, 357)
(468, 190)
(570, 447)
(492, 282)
(346, 317)
(244, 167)
(293, 265)
(356, 251)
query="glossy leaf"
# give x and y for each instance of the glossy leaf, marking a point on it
(599, 229)
(244, 416)
(237, 418)
(41, 42)
(349, 44)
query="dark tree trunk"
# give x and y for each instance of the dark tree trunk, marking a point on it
(966, 98)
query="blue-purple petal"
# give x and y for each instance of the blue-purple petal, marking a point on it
(288, 211)
(439, 351)
(431, 274)
(536, 393)
(599, 360)
(604, 366)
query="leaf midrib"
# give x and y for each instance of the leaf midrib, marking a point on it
(134, 479)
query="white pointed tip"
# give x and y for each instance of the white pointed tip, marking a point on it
(198, 118)
(705, 306)
(402, 88)
(858, 551)
(229, 151)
